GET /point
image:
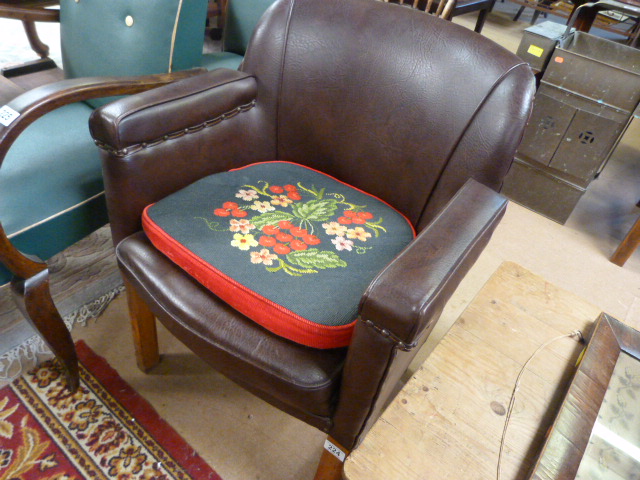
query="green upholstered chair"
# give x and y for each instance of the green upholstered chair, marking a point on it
(241, 18)
(51, 189)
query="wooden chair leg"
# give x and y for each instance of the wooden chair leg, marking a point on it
(34, 300)
(331, 464)
(482, 16)
(145, 336)
(34, 40)
(628, 245)
(517, 15)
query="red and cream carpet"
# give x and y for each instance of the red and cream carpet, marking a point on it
(103, 431)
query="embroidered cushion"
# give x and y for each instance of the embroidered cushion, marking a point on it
(287, 246)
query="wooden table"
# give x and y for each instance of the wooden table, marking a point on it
(447, 422)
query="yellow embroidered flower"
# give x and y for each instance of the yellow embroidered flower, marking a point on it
(243, 242)
(282, 200)
(334, 228)
(358, 233)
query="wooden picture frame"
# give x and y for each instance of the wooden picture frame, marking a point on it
(570, 438)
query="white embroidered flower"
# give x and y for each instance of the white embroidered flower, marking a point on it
(263, 256)
(242, 226)
(243, 242)
(342, 243)
(334, 228)
(358, 233)
(262, 207)
(247, 195)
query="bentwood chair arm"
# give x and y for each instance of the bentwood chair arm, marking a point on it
(35, 103)
(30, 284)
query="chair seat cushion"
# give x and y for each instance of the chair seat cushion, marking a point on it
(289, 247)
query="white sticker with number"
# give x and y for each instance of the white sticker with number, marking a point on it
(8, 115)
(330, 447)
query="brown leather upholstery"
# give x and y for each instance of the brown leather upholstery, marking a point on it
(398, 103)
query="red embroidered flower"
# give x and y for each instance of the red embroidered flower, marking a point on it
(284, 237)
(267, 241)
(285, 224)
(230, 208)
(298, 245)
(311, 240)
(281, 249)
(276, 189)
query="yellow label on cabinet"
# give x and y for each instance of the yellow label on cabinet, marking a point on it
(536, 51)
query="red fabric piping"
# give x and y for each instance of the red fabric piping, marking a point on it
(265, 312)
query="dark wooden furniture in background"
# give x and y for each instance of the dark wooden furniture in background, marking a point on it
(448, 9)
(571, 432)
(29, 12)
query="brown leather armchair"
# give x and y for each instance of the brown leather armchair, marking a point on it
(400, 104)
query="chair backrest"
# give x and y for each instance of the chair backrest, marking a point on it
(441, 9)
(241, 19)
(350, 95)
(130, 37)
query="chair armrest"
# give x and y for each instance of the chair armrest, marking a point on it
(29, 106)
(125, 125)
(29, 13)
(410, 293)
(33, 104)
(160, 141)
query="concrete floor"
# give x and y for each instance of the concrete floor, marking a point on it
(243, 438)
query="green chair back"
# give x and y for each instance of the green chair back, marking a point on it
(240, 22)
(130, 37)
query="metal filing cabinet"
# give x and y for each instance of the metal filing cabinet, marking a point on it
(588, 92)
(538, 43)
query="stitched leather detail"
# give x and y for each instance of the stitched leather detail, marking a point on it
(400, 345)
(174, 135)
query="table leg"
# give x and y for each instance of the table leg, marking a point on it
(627, 246)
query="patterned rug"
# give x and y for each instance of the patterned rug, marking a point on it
(104, 431)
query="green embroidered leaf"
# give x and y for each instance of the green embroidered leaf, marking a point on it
(213, 226)
(314, 258)
(270, 218)
(315, 210)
